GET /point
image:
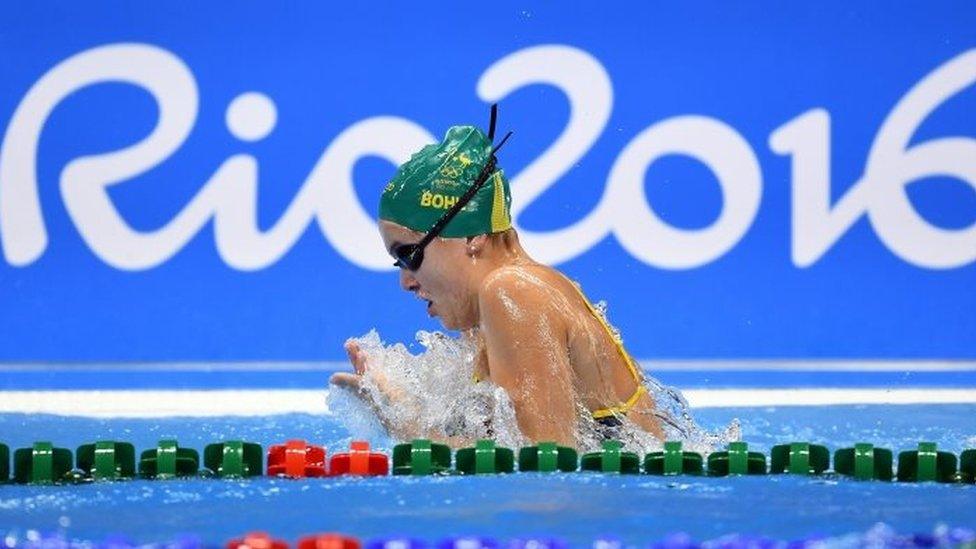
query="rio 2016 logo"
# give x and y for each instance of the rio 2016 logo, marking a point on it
(229, 196)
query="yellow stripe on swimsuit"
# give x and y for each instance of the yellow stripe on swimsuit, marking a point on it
(621, 409)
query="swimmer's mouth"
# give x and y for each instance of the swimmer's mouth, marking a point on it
(429, 302)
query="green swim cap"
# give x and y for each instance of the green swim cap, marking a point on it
(433, 180)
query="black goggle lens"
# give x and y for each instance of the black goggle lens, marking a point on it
(408, 256)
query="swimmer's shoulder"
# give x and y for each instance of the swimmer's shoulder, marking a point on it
(521, 322)
(514, 289)
(528, 290)
(524, 280)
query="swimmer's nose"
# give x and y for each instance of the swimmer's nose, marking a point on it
(408, 282)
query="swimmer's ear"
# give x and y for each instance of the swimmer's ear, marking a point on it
(476, 244)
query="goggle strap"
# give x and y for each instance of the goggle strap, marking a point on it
(491, 122)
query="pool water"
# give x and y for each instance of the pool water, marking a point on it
(577, 507)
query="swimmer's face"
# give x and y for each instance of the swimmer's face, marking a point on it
(444, 279)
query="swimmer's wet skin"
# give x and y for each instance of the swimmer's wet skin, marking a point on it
(445, 217)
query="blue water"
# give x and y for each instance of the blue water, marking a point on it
(577, 507)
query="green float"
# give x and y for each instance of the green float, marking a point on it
(485, 458)
(611, 459)
(673, 461)
(799, 458)
(4, 463)
(547, 457)
(234, 459)
(736, 460)
(421, 457)
(42, 464)
(967, 466)
(107, 460)
(864, 462)
(926, 464)
(168, 461)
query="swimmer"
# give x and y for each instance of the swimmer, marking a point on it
(445, 219)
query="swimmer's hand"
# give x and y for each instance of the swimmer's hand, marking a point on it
(383, 399)
(358, 359)
(386, 398)
(385, 392)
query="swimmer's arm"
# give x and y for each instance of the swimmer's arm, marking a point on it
(528, 356)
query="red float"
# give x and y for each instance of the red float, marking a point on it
(296, 459)
(359, 461)
(257, 540)
(328, 541)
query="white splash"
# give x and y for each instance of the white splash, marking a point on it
(435, 392)
(436, 397)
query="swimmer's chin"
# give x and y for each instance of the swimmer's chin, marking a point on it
(447, 323)
(456, 326)
(432, 313)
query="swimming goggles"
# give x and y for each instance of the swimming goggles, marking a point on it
(410, 256)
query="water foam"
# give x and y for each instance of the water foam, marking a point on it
(432, 394)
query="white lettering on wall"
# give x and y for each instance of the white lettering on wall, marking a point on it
(83, 182)
(891, 165)
(648, 237)
(229, 197)
(328, 196)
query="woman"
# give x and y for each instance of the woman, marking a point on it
(445, 218)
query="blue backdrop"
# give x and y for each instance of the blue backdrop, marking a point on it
(781, 180)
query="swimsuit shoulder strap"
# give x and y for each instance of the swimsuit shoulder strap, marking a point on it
(621, 409)
(634, 371)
